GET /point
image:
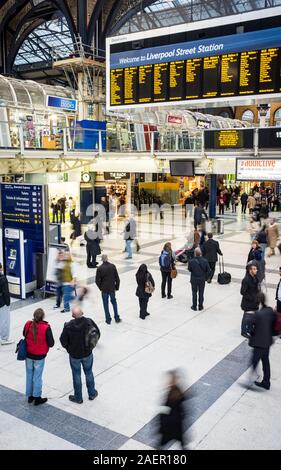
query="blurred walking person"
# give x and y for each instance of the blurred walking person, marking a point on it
(272, 232)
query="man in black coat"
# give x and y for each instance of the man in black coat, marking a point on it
(261, 340)
(73, 339)
(210, 251)
(93, 246)
(200, 271)
(108, 282)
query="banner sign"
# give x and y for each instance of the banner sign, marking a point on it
(114, 175)
(207, 47)
(258, 169)
(62, 103)
(174, 119)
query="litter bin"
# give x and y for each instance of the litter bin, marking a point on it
(220, 226)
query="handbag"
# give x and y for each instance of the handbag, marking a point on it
(21, 349)
(149, 288)
(223, 277)
(174, 273)
(248, 324)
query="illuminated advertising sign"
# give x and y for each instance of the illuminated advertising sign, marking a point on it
(258, 169)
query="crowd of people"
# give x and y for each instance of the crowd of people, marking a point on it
(80, 335)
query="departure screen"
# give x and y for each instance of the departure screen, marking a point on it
(228, 139)
(243, 64)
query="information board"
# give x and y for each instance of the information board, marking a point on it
(258, 169)
(23, 209)
(246, 64)
(225, 139)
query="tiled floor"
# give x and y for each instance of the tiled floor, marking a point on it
(131, 358)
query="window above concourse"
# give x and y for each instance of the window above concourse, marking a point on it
(163, 13)
(50, 36)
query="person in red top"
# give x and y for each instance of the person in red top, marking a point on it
(39, 338)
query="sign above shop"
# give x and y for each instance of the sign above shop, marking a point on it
(61, 103)
(114, 175)
(258, 169)
(174, 119)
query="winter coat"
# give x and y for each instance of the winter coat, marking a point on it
(249, 290)
(272, 235)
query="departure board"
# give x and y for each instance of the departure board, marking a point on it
(145, 83)
(249, 62)
(193, 78)
(228, 139)
(130, 85)
(160, 82)
(211, 68)
(269, 70)
(229, 74)
(177, 80)
(116, 87)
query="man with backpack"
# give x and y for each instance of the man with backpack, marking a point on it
(79, 337)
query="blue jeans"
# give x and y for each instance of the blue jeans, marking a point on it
(67, 296)
(105, 298)
(87, 364)
(263, 247)
(129, 248)
(34, 371)
(59, 294)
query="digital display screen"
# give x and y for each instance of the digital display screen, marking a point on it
(229, 74)
(145, 83)
(23, 209)
(225, 139)
(182, 167)
(270, 138)
(243, 64)
(177, 80)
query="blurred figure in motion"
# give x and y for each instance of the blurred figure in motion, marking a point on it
(171, 423)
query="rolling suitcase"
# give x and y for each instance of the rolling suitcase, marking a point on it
(223, 277)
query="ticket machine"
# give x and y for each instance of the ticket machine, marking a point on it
(20, 263)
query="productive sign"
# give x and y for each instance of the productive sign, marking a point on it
(258, 169)
(62, 103)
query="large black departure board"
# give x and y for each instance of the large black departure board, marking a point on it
(160, 82)
(177, 80)
(229, 74)
(145, 83)
(228, 139)
(225, 67)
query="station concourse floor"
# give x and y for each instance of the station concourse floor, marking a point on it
(132, 357)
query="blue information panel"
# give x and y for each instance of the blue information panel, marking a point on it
(62, 103)
(23, 209)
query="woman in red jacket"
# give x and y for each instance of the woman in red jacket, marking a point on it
(39, 338)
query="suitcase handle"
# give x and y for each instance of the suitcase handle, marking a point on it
(221, 264)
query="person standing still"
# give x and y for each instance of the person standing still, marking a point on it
(272, 236)
(5, 301)
(244, 200)
(167, 263)
(210, 251)
(108, 282)
(73, 339)
(200, 272)
(39, 338)
(143, 276)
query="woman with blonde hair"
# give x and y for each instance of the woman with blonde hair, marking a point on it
(39, 338)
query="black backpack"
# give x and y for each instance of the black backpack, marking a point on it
(92, 335)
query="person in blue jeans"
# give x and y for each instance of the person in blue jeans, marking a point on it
(73, 339)
(39, 338)
(108, 282)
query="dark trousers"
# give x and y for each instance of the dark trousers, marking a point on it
(221, 209)
(244, 207)
(166, 279)
(91, 257)
(278, 305)
(198, 288)
(62, 217)
(55, 217)
(262, 354)
(59, 293)
(143, 306)
(212, 265)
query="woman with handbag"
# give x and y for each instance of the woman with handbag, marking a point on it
(39, 338)
(146, 287)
